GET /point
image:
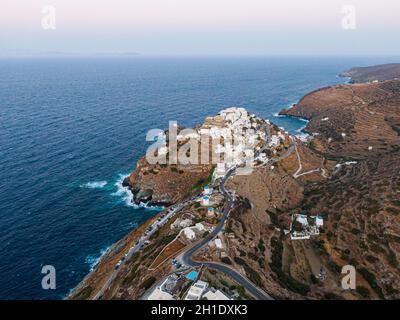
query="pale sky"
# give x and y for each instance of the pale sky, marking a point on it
(201, 27)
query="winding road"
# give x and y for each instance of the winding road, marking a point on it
(257, 292)
(186, 257)
(139, 245)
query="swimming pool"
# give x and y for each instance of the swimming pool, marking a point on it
(192, 275)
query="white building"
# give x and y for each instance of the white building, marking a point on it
(220, 148)
(206, 200)
(189, 233)
(185, 223)
(158, 294)
(178, 223)
(217, 295)
(207, 190)
(319, 222)
(302, 219)
(218, 243)
(199, 226)
(275, 141)
(220, 171)
(210, 212)
(196, 290)
(308, 229)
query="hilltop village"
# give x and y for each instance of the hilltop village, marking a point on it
(200, 215)
(274, 216)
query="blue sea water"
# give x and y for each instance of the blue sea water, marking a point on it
(71, 128)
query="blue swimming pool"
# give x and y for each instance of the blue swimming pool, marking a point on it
(192, 275)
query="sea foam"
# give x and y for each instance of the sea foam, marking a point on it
(94, 185)
(93, 260)
(126, 195)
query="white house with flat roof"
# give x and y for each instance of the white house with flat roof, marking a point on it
(199, 226)
(220, 170)
(189, 233)
(319, 222)
(159, 294)
(178, 223)
(274, 141)
(308, 229)
(197, 290)
(218, 243)
(207, 190)
(210, 212)
(302, 219)
(215, 295)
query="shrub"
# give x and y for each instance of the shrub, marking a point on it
(84, 293)
(371, 259)
(132, 275)
(261, 245)
(331, 296)
(276, 265)
(226, 260)
(242, 253)
(334, 267)
(239, 261)
(392, 210)
(274, 218)
(362, 291)
(392, 259)
(370, 278)
(396, 202)
(242, 292)
(203, 182)
(253, 275)
(314, 279)
(253, 256)
(146, 284)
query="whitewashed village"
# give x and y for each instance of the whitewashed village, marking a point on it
(270, 144)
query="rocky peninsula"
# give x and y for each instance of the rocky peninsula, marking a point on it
(345, 173)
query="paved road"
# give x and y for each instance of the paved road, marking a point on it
(139, 245)
(187, 256)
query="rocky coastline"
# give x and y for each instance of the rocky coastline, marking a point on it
(359, 198)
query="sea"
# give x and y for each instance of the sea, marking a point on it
(72, 127)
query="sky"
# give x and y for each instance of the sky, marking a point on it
(200, 27)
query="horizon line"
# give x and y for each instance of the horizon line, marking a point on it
(60, 54)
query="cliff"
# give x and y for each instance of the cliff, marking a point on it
(357, 121)
(382, 72)
(164, 185)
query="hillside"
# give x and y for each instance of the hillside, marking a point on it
(358, 126)
(382, 72)
(357, 121)
(345, 173)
